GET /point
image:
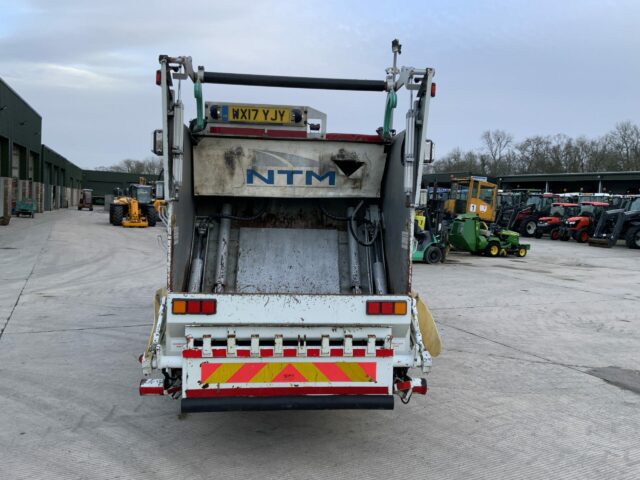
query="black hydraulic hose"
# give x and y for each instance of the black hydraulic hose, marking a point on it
(364, 243)
(294, 82)
(350, 221)
(219, 216)
(332, 216)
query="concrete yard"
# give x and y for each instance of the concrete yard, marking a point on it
(516, 393)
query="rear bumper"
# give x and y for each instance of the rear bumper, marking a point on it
(310, 402)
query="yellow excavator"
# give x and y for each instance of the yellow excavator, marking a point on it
(136, 208)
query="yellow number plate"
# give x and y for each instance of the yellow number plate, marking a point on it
(253, 114)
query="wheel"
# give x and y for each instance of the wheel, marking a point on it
(91, 208)
(529, 226)
(633, 237)
(79, 207)
(151, 216)
(111, 209)
(522, 252)
(433, 254)
(555, 234)
(582, 235)
(118, 215)
(493, 249)
(565, 236)
(5, 220)
(538, 234)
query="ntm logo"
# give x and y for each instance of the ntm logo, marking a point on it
(299, 178)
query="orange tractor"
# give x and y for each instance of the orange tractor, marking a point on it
(582, 226)
(550, 225)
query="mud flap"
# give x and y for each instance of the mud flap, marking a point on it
(428, 329)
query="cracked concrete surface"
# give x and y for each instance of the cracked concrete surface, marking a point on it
(512, 396)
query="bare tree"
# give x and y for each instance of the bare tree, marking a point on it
(497, 145)
(148, 166)
(618, 150)
(624, 141)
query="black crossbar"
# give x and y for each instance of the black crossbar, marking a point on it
(294, 82)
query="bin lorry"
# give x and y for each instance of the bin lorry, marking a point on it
(289, 250)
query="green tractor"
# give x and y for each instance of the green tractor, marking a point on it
(468, 233)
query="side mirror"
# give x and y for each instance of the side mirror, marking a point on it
(156, 146)
(429, 154)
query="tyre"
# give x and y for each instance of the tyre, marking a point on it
(521, 252)
(91, 208)
(493, 249)
(152, 216)
(529, 226)
(433, 254)
(111, 209)
(118, 215)
(565, 236)
(79, 207)
(538, 234)
(555, 234)
(633, 237)
(582, 235)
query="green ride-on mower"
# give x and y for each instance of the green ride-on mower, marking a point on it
(468, 233)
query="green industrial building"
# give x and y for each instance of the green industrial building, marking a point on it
(28, 169)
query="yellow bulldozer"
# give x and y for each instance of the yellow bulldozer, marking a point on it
(137, 208)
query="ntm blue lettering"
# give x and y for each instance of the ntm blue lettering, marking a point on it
(310, 177)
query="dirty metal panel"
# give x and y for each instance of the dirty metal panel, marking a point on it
(287, 168)
(283, 260)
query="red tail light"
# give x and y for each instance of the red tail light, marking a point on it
(373, 308)
(433, 89)
(386, 308)
(194, 307)
(159, 78)
(208, 307)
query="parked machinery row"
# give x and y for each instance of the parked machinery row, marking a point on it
(466, 220)
(599, 219)
(474, 216)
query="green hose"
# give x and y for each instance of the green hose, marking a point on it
(392, 101)
(197, 92)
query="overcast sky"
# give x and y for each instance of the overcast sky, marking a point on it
(528, 67)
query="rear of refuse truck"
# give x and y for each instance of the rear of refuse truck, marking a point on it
(289, 251)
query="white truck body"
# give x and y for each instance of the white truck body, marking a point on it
(289, 271)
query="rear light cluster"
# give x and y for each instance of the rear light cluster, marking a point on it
(386, 308)
(190, 307)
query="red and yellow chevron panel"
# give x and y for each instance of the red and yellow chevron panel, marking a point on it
(288, 372)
